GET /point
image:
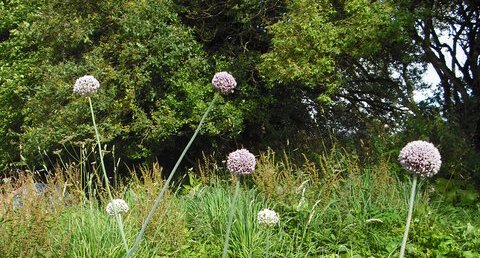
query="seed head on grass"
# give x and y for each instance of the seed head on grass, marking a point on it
(224, 82)
(241, 162)
(267, 217)
(116, 205)
(420, 158)
(86, 85)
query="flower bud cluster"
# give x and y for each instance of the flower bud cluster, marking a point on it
(224, 82)
(420, 158)
(241, 162)
(86, 85)
(267, 217)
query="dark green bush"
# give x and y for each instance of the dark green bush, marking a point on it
(155, 79)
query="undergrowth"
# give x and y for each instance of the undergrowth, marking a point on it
(330, 205)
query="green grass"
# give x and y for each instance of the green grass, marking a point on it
(329, 206)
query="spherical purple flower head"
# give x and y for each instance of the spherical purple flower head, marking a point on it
(224, 82)
(241, 162)
(86, 85)
(421, 158)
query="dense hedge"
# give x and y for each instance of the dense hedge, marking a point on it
(155, 78)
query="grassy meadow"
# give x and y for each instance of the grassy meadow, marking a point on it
(323, 93)
(330, 205)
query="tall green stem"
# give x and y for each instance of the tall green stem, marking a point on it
(230, 219)
(409, 217)
(167, 182)
(267, 250)
(107, 184)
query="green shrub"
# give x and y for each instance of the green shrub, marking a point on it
(154, 76)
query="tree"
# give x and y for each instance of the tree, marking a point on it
(234, 34)
(448, 33)
(351, 52)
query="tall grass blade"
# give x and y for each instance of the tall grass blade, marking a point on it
(230, 219)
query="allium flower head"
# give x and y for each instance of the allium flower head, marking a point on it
(224, 82)
(267, 217)
(117, 204)
(421, 158)
(241, 162)
(86, 85)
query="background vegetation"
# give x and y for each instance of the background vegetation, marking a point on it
(305, 69)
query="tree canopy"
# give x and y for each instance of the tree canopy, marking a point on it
(303, 67)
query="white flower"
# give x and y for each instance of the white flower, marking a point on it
(267, 217)
(118, 205)
(86, 85)
(421, 158)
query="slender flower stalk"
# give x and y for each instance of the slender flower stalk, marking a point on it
(167, 182)
(230, 218)
(118, 218)
(422, 159)
(409, 216)
(86, 86)
(267, 249)
(240, 162)
(224, 83)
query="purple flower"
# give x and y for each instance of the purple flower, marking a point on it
(241, 162)
(224, 82)
(421, 158)
(86, 85)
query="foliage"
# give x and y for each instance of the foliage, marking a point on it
(328, 206)
(19, 58)
(154, 79)
(235, 34)
(323, 45)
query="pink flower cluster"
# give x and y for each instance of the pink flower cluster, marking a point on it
(224, 82)
(421, 158)
(241, 162)
(86, 85)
